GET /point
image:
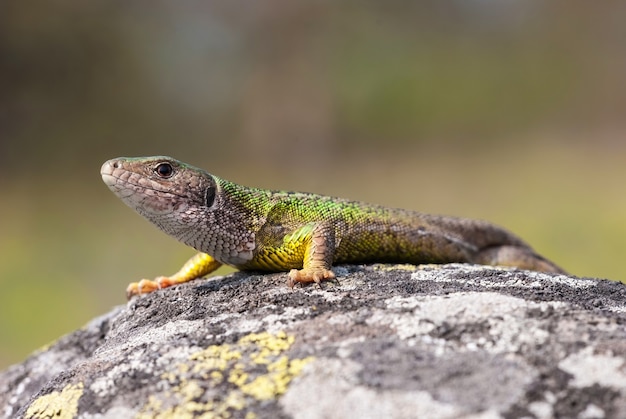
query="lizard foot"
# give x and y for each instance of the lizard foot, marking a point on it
(309, 275)
(146, 286)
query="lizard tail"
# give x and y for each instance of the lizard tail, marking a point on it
(516, 256)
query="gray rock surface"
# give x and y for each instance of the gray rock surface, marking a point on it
(387, 341)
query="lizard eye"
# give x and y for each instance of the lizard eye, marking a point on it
(164, 170)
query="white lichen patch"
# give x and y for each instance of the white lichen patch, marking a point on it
(512, 278)
(588, 369)
(338, 394)
(418, 318)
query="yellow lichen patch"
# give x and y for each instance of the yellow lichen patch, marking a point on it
(399, 267)
(58, 404)
(280, 374)
(215, 357)
(222, 379)
(238, 377)
(268, 344)
(216, 376)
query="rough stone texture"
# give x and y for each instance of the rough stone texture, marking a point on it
(387, 341)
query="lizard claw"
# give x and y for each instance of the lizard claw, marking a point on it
(309, 275)
(138, 288)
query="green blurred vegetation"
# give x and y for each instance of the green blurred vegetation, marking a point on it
(507, 111)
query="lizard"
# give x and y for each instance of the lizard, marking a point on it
(304, 234)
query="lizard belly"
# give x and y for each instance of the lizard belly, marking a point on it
(276, 258)
(404, 245)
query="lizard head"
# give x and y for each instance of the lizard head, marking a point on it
(187, 203)
(164, 190)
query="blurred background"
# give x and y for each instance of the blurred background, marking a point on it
(511, 111)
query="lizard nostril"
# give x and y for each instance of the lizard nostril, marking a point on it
(116, 165)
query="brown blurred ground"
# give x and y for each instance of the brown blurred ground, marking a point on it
(509, 111)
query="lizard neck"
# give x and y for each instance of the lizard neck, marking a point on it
(227, 229)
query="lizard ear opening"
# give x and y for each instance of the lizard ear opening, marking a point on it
(209, 196)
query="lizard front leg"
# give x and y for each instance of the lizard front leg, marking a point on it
(318, 257)
(199, 265)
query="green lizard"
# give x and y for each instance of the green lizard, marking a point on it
(305, 234)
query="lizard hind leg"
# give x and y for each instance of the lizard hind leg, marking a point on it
(516, 256)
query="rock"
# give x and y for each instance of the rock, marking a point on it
(387, 341)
